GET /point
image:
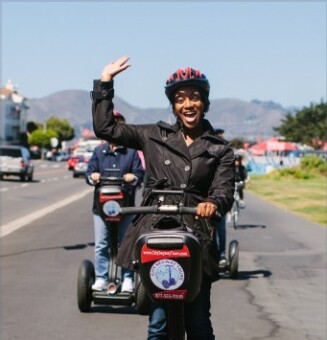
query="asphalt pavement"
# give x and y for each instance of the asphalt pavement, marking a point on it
(280, 293)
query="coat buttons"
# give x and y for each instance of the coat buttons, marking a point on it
(164, 138)
(167, 162)
(187, 168)
(183, 186)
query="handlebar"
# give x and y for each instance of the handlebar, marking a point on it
(112, 180)
(155, 209)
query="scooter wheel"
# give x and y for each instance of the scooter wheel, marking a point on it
(235, 218)
(142, 300)
(86, 277)
(233, 259)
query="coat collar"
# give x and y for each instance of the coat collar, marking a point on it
(168, 127)
(171, 136)
(106, 149)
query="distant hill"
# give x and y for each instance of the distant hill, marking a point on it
(239, 118)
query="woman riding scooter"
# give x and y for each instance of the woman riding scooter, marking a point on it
(186, 155)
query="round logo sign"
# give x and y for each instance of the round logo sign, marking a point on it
(111, 208)
(167, 274)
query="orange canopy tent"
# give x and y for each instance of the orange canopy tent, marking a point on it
(272, 145)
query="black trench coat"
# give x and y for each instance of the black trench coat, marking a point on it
(204, 170)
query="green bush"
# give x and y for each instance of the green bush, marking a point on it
(314, 164)
(310, 167)
(294, 172)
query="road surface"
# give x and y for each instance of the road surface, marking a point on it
(280, 293)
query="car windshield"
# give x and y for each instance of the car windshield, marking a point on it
(10, 152)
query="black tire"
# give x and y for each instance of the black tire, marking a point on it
(235, 215)
(233, 259)
(75, 175)
(86, 277)
(142, 300)
(23, 177)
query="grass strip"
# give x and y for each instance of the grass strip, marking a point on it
(305, 197)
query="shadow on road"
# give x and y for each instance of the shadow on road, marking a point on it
(250, 226)
(247, 275)
(17, 180)
(69, 247)
(79, 246)
(253, 274)
(113, 309)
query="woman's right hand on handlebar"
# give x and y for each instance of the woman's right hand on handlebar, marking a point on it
(112, 69)
(205, 209)
(128, 178)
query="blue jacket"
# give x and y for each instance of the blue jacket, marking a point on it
(124, 159)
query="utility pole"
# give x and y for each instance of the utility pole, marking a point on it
(44, 131)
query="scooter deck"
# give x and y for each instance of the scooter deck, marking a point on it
(120, 299)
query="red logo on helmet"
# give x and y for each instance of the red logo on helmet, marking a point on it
(184, 74)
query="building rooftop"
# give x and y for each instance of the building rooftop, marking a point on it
(9, 91)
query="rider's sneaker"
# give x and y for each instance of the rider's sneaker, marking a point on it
(100, 285)
(127, 286)
(242, 204)
(222, 262)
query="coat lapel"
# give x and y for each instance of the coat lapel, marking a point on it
(197, 148)
(171, 137)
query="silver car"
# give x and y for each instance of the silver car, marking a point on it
(80, 169)
(16, 161)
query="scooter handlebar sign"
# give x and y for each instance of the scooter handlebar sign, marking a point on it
(169, 261)
(110, 198)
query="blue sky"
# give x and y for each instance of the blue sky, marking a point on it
(248, 50)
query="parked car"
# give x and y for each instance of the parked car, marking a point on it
(35, 152)
(48, 155)
(73, 160)
(16, 161)
(80, 168)
(60, 156)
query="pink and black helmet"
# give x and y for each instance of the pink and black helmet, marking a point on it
(188, 77)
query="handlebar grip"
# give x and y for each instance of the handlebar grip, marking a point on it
(139, 210)
(187, 210)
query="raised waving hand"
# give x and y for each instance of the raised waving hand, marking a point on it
(115, 67)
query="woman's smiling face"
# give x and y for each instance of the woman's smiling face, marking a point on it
(189, 106)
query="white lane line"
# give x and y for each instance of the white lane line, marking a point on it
(21, 222)
(24, 185)
(3, 189)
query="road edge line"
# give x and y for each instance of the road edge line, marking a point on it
(27, 219)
